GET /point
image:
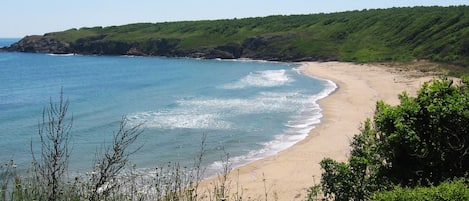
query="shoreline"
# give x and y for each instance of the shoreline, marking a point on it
(288, 174)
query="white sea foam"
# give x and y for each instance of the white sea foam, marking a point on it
(297, 129)
(214, 113)
(267, 78)
(178, 119)
(62, 55)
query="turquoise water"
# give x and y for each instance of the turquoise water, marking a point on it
(247, 109)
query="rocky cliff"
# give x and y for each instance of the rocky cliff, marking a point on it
(259, 47)
(39, 44)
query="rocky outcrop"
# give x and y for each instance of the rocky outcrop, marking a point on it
(259, 47)
(268, 48)
(101, 47)
(40, 44)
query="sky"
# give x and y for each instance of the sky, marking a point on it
(19, 18)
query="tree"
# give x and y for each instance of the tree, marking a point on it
(422, 141)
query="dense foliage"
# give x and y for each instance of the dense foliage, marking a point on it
(397, 34)
(453, 190)
(423, 141)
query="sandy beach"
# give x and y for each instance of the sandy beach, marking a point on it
(288, 174)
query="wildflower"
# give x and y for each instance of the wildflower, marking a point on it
(91, 173)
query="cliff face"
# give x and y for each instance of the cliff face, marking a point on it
(259, 47)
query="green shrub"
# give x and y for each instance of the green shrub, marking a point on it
(452, 190)
(421, 142)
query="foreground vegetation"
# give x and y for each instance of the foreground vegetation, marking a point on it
(449, 190)
(422, 142)
(439, 34)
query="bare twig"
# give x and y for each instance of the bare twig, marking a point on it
(108, 166)
(54, 134)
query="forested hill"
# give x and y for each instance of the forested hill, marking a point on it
(396, 34)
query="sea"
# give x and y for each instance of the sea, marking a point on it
(247, 110)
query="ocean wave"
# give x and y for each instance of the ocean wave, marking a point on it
(281, 142)
(217, 113)
(297, 129)
(172, 120)
(267, 78)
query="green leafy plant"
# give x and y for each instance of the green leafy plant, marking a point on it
(422, 141)
(449, 190)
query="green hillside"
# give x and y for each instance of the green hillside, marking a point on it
(438, 34)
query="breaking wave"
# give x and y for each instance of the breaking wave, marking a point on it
(267, 78)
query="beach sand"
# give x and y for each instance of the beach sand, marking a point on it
(288, 174)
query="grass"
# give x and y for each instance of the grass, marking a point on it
(168, 182)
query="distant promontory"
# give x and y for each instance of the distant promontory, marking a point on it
(439, 34)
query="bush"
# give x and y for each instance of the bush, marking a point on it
(451, 190)
(423, 141)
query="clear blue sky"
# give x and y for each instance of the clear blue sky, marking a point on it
(27, 17)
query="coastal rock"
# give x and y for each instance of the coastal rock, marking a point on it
(232, 50)
(160, 47)
(205, 53)
(258, 47)
(98, 45)
(40, 44)
(135, 51)
(265, 48)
